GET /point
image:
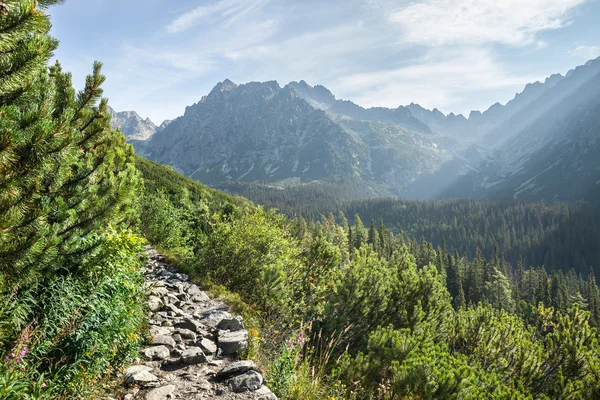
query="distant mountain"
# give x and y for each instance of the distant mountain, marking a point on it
(542, 145)
(133, 126)
(549, 149)
(321, 98)
(261, 132)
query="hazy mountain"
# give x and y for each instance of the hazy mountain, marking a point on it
(549, 149)
(262, 132)
(133, 126)
(321, 98)
(542, 145)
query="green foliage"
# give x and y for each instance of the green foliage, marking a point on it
(63, 335)
(70, 286)
(253, 255)
(64, 173)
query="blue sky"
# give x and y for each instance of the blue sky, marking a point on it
(456, 55)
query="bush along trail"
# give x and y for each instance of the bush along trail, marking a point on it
(194, 347)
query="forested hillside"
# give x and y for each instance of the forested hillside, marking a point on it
(560, 236)
(341, 308)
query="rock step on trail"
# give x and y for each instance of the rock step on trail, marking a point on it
(195, 342)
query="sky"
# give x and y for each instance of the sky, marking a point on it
(455, 55)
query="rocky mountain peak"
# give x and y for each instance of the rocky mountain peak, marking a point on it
(132, 125)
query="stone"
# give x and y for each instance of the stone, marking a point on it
(154, 303)
(187, 334)
(161, 393)
(164, 340)
(236, 368)
(177, 337)
(141, 377)
(193, 355)
(208, 346)
(264, 393)
(183, 297)
(232, 343)
(156, 353)
(134, 369)
(200, 298)
(191, 324)
(248, 382)
(231, 324)
(172, 308)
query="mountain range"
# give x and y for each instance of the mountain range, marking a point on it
(542, 145)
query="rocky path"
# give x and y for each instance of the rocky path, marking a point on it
(195, 344)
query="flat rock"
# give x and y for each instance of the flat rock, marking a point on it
(187, 334)
(164, 340)
(193, 355)
(190, 324)
(134, 369)
(248, 382)
(208, 346)
(156, 353)
(161, 393)
(236, 368)
(141, 377)
(232, 343)
(231, 324)
(159, 291)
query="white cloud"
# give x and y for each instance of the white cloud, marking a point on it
(477, 22)
(585, 53)
(440, 79)
(227, 10)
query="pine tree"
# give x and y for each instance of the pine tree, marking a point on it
(498, 291)
(373, 238)
(64, 173)
(359, 232)
(454, 282)
(383, 234)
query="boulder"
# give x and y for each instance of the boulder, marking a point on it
(187, 334)
(212, 318)
(134, 369)
(190, 324)
(164, 340)
(231, 324)
(159, 291)
(156, 353)
(236, 368)
(141, 377)
(193, 355)
(248, 382)
(264, 393)
(172, 308)
(208, 346)
(232, 343)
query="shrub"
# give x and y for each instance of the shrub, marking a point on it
(69, 332)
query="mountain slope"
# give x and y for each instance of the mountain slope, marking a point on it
(260, 132)
(550, 149)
